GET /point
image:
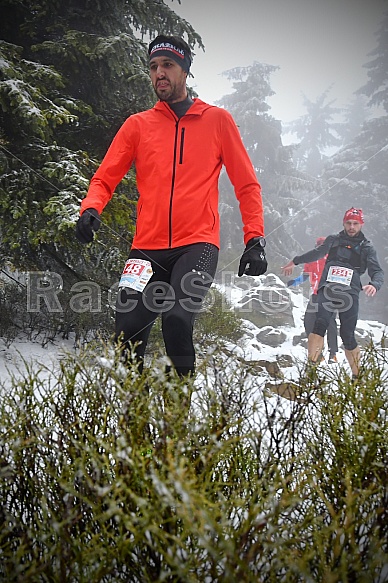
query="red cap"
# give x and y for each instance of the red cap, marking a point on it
(354, 214)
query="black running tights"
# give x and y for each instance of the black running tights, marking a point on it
(181, 278)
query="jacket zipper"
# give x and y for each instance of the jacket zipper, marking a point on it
(181, 149)
(172, 185)
(182, 146)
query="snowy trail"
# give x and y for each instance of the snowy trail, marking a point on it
(22, 354)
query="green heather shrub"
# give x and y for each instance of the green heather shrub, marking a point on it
(106, 475)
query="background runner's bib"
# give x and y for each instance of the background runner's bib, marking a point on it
(342, 275)
(136, 274)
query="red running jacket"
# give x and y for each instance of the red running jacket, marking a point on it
(178, 163)
(314, 269)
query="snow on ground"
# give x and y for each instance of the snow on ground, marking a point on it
(253, 350)
(21, 353)
(368, 329)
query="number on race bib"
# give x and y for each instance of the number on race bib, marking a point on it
(136, 274)
(133, 269)
(341, 275)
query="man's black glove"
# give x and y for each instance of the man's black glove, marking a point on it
(253, 261)
(87, 224)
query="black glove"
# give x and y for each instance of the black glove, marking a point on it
(87, 224)
(254, 258)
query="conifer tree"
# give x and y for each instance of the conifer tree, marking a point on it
(357, 175)
(355, 115)
(316, 132)
(376, 88)
(280, 182)
(71, 72)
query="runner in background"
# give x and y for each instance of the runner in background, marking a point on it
(349, 256)
(313, 272)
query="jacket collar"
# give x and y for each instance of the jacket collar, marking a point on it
(357, 238)
(197, 108)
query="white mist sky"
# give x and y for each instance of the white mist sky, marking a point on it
(315, 44)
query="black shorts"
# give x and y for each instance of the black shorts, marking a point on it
(181, 278)
(334, 298)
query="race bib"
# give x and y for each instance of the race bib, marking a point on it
(342, 275)
(136, 274)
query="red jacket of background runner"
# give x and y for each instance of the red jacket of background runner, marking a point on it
(314, 269)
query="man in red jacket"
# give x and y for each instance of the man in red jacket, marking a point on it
(178, 148)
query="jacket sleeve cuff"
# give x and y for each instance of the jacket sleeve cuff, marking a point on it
(296, 260)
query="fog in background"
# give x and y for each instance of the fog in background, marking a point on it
(315, 43)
